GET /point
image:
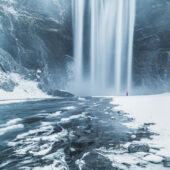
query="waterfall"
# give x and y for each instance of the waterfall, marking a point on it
(103, 46)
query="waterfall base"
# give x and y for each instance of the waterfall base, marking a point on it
(103, 45)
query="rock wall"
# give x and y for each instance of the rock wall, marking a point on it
(38, 36)
(152, 45)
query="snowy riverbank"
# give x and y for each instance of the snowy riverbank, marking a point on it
(152, 109)
(23, 91)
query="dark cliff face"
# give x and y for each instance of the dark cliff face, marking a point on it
(38, 35)
(152, 45)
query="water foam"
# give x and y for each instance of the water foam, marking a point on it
(11, 126)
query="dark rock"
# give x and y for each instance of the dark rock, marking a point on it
(143, 165)
(45, 45)
(60, 93)
(7, 86)
(138, 148)
(166, 162)
(151, 49)
(149, 124)
(126, 164)
(96, 161)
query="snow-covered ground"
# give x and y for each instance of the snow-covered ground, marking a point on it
(150, 109)
(25, 90)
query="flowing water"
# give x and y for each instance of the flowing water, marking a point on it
(61, 134)
(103, 46)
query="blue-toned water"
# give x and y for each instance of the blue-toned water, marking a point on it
(62, 133)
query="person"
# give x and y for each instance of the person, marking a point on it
(127, 93)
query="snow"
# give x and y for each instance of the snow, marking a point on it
(153, 158)
(149, 109)
(26, 89)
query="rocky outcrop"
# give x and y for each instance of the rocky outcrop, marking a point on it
(97, 161)
(133, 148)
(8, 64)
(60, 93)
(166, 162)
(38, 36)
(6, 83)
(151, 45)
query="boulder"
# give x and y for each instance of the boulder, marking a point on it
(60, 93)
(6, 83)
(133, 148)
(166, 162)
(96, 161)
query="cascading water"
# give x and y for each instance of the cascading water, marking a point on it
(103, 46)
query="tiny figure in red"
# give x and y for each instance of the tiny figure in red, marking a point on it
(127, 94)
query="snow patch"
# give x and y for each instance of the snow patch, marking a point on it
(25, 89)
(153, 159)
(149, 109)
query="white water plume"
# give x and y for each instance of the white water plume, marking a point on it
(103, 46)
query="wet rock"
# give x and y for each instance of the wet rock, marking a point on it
(96, 161)
(149, 124)
(140, 164)
(166, 162)
(60, 93)
(133, 148)
(7, 85)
